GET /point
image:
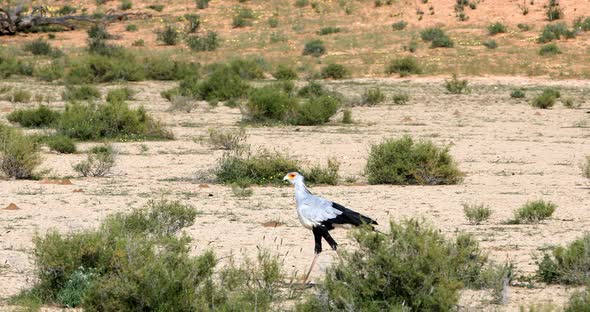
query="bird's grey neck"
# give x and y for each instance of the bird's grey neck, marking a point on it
(301, 191)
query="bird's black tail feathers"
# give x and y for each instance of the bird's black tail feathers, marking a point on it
(349, 216)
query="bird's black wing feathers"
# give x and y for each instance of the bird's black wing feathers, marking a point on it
(347, 216)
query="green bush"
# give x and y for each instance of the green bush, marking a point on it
(110, 120)
(523, 27)
(301, 3)
(586, 167)
(496, 28)
(314, 47)
(202, 4)
(131, 27)
(198, 43)
(39, 117)
(329, 30)
(567, 265)
(546, 99)
(533, 212)
(347, 116)
(285, 72)
(579, 301)
(41, 47)
(269, 103)
(99, 163)
(168, 35)
(161, 68)
(78, 93)
(194, 22)
(404, 162)
(490, 44)
(413, 267)
(61, 144)
(582, 24)
(273, 22)
(319, 175)
(316, 110)
(436, 37)
(156, 7)
(243, 17)
(222, 84)
(517, 94)
(19, 154)
(399, 25)
(404, 66)
(549, 49)
(126, 5)
(99, 68)
(476, 214)
(554, 12)
(372, 96)
(120, 95)
(262, 168)
(312, 89)
(456, 85)
(228, 140)
(248, 68)
(19, 96)
(554, 32)
(49, 72)
(400, 98)
(10, 65)
(334, 71)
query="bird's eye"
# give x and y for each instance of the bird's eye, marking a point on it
(291, 176)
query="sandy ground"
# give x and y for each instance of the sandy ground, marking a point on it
(509, 151)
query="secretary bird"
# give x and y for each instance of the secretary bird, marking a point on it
(321, 215)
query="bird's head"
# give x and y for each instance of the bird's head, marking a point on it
(293, 177)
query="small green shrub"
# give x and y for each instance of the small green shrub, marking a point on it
(248, 68)
(476, 214)
(120, 95)
(496, 28)
(554, 32)
(404, 161)
(546, 99)
(334, 71)
(401, 98)
(49, 72)
(456, 86)
(273, 22)
(436, 37)
(269, 103)
(285, 72)
(19, 96)
(39, 117)
(570, 103)
(582, 24)
(19, 154)
(95, 68)
(517, 94)
(10, 65)
(347, 116)
(198, 43)
(586, 167)
(579, 301)
(301, 3)
(202, 4)
(404, 66)
(138, 43)
(159, 68)
(490, 44)
(549, 49)
(222, 84)
(99, 163)
(312, 89)
(315, 48)
(533, 212)
(228, 140)
(243, 17)
(79, 93)
(41, 47)
(399, 25)
(316, 110)
(168, 35)
(131, 27)
(554, 12)
(262, 168)
(319, 175)
(194, 22)
(329, 30)
(126, 5)
(61, 144)
(523, 27)
(427, 269)
(156, 7)
(372, 96)
(567, 265)
(182, 103)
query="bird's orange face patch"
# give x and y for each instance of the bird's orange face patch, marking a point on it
(292, 176)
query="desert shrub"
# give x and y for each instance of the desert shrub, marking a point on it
(49, 72)
(476, 214)
(161, 68)
(554, 12)
(404, 66)
(323, 175)
(228, 140)
(567, 265)
(586, 167)
(329, 30)
(404, 161)
(582, 24)
(110, 120)
(61, 144)
(156, 7)
(400, 98)
(427, 269)
(399, 25)
(546, 99)
(549, 49)
(533, 212)
(347, 116)
(168, 35)
(496, 28)
(523, 27)
(19, 154)
(316, 110)
(98, 31)
(579, 301)
(11, 65)
(570, 103)
(263, 167)
(314, 47)
(194, 22)
(198, 43)
(182, 103)
(490, 44)
(120, 94)
(78, 93)
(222, 84)
(334, 71)
(243, 17)
(41, 116)
(202, 4)
(273, 22)
(285, 72)
(436, 37)
(126, 5)
(269, 103)
(248, 68)
(301, 3)
(554, 32)
(19, 96)
(131, 27)
(312, 89)
(372, 96)
(99, 163)
(456, 85)
(41, 47)
(517, 94)
(99, 68)
(138, 43)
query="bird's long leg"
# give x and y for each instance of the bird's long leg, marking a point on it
(315, 258)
